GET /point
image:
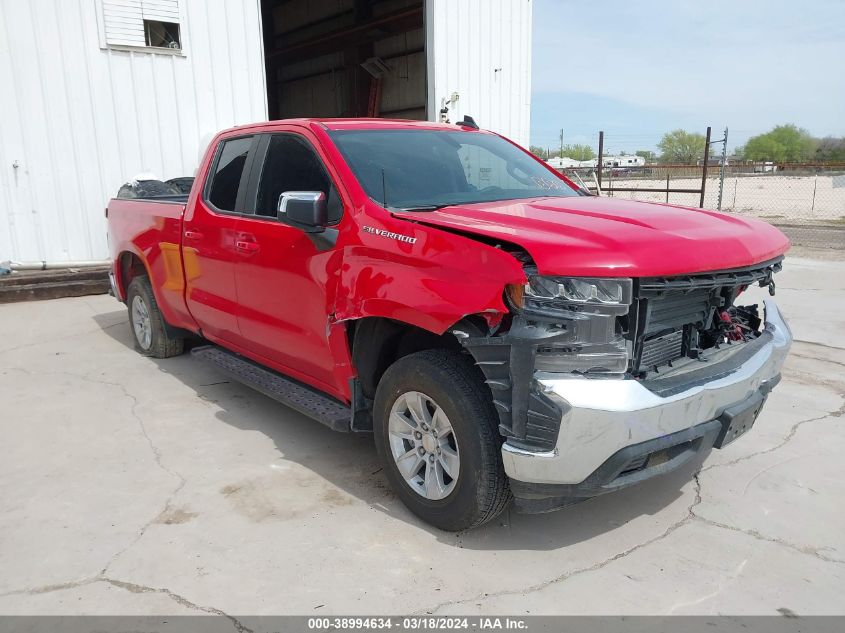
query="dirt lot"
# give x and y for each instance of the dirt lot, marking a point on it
(131, 486)
(779, 199)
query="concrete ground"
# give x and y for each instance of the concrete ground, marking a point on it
(135, 486)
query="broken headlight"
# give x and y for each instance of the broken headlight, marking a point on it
(550, 292)
(586, 312)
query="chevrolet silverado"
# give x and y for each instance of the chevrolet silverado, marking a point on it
(501, 333)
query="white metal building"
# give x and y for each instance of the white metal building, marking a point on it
(96, 91)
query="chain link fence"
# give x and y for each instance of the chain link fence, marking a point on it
(807, 201)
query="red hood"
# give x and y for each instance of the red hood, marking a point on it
(607, 237)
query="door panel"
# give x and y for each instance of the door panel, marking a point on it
(282, 293)
(284, 281)
(209, 242)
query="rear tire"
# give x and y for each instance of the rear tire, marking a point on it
(419, 394)
(147, 324)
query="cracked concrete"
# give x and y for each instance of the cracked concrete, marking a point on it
(158, 487)
(456, 606)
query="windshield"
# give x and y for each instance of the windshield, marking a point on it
(426, 169)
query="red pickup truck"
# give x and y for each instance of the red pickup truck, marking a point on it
(502, 333)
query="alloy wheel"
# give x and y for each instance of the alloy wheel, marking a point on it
(423, 445)
(141, 322)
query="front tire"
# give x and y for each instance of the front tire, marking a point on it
(436, 431)
(147, 324)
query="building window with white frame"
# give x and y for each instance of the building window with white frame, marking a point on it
(149, 24)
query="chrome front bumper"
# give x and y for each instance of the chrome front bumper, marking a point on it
(605, 416)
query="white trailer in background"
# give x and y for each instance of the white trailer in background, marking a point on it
(623, 160)
(765, 167)
(568, 163)
(98, 90)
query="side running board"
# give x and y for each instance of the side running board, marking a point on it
(308, 401)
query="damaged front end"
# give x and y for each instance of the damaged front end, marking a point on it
(676, 321)
(666, 333)
(556, 325)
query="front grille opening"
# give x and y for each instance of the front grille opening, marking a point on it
(683, 318)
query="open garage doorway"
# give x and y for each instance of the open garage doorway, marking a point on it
(345, 58)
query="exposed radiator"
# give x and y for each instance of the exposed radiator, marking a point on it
(665, 307)
(662, 349)
(678, 309)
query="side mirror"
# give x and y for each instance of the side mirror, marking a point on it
(305, 209)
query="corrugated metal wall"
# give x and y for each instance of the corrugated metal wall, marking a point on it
(481, 49)
(76, 121)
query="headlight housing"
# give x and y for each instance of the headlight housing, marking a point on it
(588, 310)
(610, 295)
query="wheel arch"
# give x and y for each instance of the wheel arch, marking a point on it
(378, 342)
(129, 266)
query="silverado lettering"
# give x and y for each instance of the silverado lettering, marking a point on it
(393, 236)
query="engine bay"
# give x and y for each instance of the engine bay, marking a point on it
(693, 318)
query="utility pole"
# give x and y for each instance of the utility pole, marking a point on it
(561, 142)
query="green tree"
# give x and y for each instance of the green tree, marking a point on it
(831, 149)
(579, 152)
(682, 147)
(539, 152)
(782, 144)
(648, 155)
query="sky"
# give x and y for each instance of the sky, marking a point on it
(639, 69)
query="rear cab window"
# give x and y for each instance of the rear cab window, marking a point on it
(226, 182)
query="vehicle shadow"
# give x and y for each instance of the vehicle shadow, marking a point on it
(349, 462)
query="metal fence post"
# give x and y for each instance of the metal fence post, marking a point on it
(601, 152)
(815, 186)
(704, 170)
(722, 169)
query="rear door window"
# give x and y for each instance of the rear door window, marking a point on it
(228, 173)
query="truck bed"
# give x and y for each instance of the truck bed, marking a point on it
(181, 198)
(153, 227)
